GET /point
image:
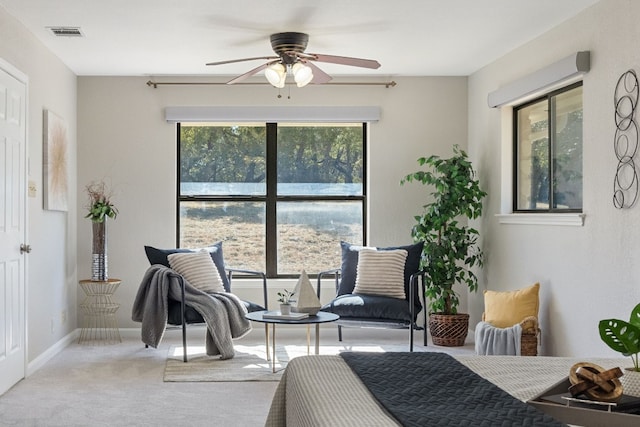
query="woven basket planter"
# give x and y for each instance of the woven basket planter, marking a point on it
(449, 330)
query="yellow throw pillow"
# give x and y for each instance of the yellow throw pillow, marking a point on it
(505, 309)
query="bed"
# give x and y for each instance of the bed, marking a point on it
(325, 390)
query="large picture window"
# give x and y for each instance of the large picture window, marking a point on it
(280, 196)
(548, 153)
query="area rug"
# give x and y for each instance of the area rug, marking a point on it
(249, 364)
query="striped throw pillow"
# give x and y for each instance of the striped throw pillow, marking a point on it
(198, 269)
(381, 273)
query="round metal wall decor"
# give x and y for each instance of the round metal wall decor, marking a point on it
(625, 141)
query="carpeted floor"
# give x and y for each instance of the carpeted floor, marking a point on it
(249, 364)
(122, 384)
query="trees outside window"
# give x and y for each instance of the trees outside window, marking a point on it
(548, 153)
(280, 196)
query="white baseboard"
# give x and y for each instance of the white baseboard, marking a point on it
(48, 354)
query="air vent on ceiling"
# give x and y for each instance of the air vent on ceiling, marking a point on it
(66, 31)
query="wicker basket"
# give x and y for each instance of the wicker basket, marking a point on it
(449, 330)
(529, 338)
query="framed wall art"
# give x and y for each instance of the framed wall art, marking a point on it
(55, 162)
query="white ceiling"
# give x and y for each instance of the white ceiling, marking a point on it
(177, 37)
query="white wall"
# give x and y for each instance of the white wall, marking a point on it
(587, 273)
(124, 139)
(51, 271)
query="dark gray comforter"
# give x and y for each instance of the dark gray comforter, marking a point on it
(434, 389)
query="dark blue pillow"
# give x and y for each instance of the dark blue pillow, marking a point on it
(348, 268)
(350, 265)
(159, 256)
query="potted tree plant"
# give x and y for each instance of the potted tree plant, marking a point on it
(624, 337)
(451, 247)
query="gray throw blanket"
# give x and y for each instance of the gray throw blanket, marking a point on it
(498, 341)
(222, 312)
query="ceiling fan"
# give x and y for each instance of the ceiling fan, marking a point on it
(291, 56)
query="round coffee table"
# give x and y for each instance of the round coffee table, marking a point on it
(320, 317)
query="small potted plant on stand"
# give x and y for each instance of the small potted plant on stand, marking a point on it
(624, 337)
(284, 298)
(450, 246)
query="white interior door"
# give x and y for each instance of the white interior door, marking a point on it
(13, 177)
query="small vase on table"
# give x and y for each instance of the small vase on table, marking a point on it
(99, 252)
(285, 309)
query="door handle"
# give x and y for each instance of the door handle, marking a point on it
(25, 248)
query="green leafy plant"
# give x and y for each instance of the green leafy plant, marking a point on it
(450, 247)
(100, 206)
(623, 337)
(285, 297)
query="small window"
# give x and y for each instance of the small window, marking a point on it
(548, 153)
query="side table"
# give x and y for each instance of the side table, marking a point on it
(317, 319)
(99, 311)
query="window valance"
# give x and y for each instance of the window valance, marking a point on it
(341, 114)
(557, 74)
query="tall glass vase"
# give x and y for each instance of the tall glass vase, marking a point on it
(99, 251)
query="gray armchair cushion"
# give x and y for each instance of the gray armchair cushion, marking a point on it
(369, 307)
(192, 316)
(350, 264)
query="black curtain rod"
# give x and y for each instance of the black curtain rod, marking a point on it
(155, 85)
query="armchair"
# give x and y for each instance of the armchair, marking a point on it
(375, 290)
(180, 313)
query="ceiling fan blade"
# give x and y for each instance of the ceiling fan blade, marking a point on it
(345, 60)
(319, 76)
(249, 73)
(232, 61)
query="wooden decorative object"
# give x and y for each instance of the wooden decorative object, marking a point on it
(595, 382)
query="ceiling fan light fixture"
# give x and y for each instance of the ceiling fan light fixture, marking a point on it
(276, 74)
(302, 74)
(290, 48)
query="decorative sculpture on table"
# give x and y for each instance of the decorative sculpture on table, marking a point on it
(307, 301)
(595, 382)
(100, 208)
